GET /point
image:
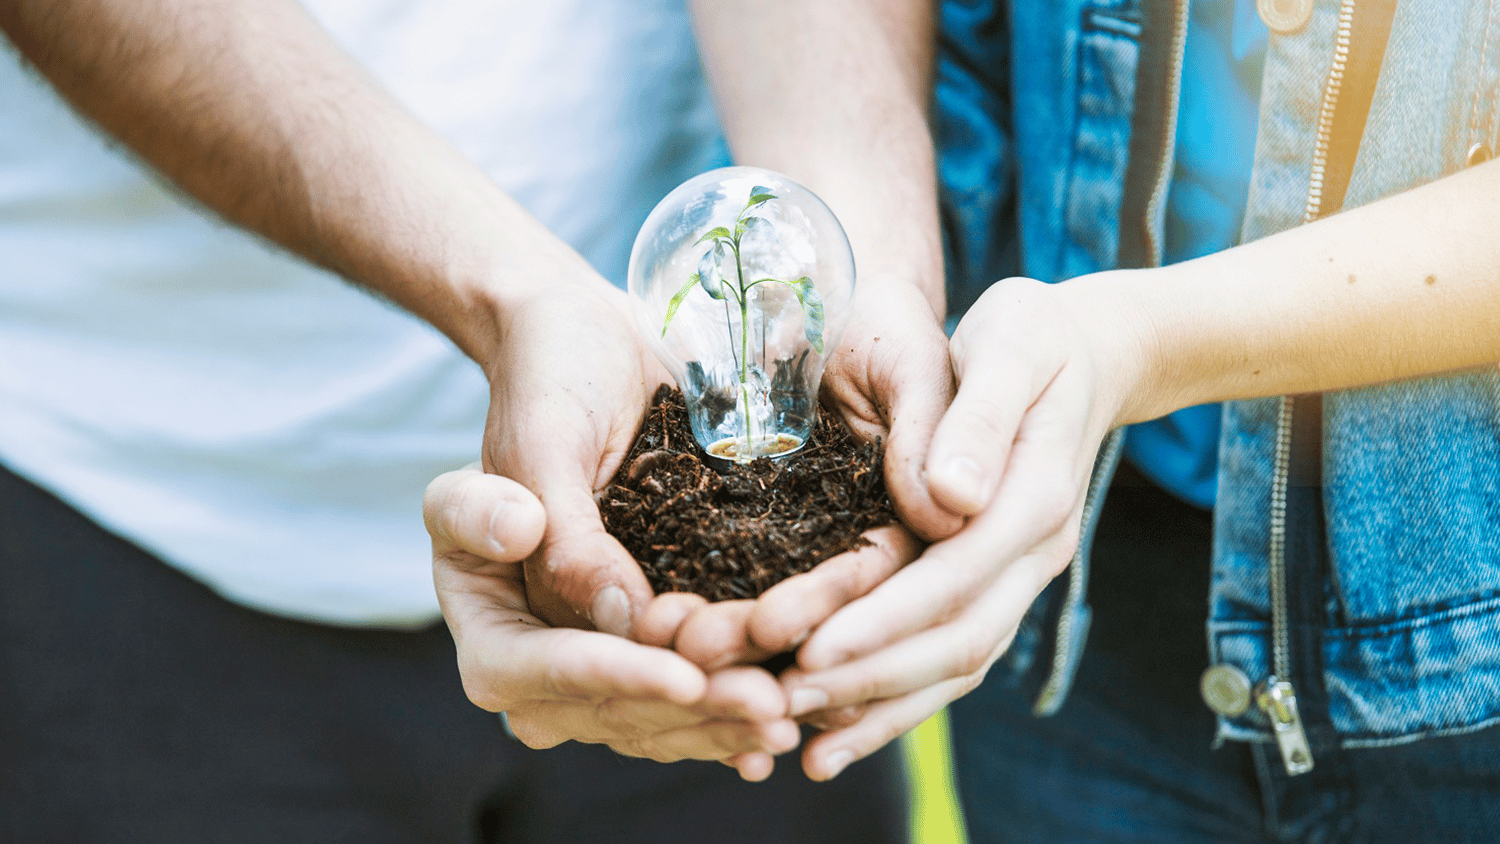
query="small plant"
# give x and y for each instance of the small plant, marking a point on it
(722, 286)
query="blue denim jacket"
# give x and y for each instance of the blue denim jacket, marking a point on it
(1055, 124)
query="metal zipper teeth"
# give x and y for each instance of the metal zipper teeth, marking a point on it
(1057, 674)
(1342, 39)
(1154, 247)
(1280, 635)
(1066, 621)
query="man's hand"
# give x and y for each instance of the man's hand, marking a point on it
(889, 380)
(560, 684)
(570, 384)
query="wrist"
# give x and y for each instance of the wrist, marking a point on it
(495, 271)
(1179, 338)
(1118, 316)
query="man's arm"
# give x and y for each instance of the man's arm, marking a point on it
(835, 95)
(251, 109)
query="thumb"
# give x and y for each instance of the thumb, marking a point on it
(582, 576)
(973, 441)
(918, 392)
(489, 516)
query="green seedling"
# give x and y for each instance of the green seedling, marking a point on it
(722, 286)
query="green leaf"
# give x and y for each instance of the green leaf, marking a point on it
(757, 227)
(676, 303)
(812, 307)
(711, 270)
(758, 195)
(812, 312)
(716, 233)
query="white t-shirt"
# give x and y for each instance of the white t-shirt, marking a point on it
(256, 422)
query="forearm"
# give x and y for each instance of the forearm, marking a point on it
(250, 108)
(1403, 287)
(835, 94)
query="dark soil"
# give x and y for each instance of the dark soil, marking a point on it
(731, 530)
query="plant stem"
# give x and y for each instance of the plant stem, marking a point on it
(739, 276)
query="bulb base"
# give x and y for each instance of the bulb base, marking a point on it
(734, 448)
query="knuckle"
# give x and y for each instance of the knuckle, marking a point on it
(956, 584)
(653, 750)
(628, 747)
(979, 420)
(479, 690)
(868, 689)
(975, 652)
(971, 682)
(1056, 498)
(530, 731)
(616, 721)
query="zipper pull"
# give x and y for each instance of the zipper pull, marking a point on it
(1278, 700)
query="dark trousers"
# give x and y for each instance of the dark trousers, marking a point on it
(1130, 756)
(137, 706)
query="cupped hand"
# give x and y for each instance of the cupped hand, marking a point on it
(569, 387)
(559, 684)
(1044, 373)
(715, 635)
(889, 379)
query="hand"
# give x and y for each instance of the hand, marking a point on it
(569, 387)
(715, 635)
(889, 379)
(560, 684)
(1044, 373)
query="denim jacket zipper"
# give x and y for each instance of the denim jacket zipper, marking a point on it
(1276, 695)
(1070, 619)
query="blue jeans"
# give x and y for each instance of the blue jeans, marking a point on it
(1130, 758)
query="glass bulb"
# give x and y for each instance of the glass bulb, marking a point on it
(741, 281)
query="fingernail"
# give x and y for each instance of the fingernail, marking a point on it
(837, 761)
(797, 640)
(966, 478)
(611, 611)
(500, 525)
(807, 699)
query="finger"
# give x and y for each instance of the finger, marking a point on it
(834, 719)
(918, 392)
(489, 516)
(582, 575)
(1040, 495)
(972, 443)
(752, 767)
(658, 622)
(783, 617)
(744, 692)
(932, 590)
(715, 635)
(505, 662)
(549, 723)
(715, 740)
(830, 753)
(966, 645)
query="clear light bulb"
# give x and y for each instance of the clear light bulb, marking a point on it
(741, 281)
